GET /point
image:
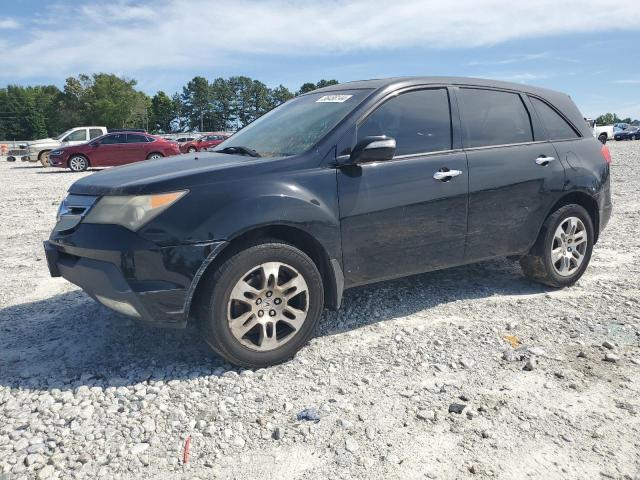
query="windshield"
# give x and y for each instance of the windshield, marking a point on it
(63, 134)
(297, 125)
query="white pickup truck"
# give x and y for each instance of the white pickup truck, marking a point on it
(601, 132)
(38, 150)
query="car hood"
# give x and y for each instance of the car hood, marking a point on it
(44, 141)
(178, 172)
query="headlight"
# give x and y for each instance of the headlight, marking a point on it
(132, 211)
(56, 152)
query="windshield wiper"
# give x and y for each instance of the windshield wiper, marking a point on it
(240, 150)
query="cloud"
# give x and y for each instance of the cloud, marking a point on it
(520, 58)
(628, 81)
(8, 23)
(170, 35)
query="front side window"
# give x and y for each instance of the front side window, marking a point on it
(419, 121)
(556, 126)
(113, 139)
(77, 136)
(491, 117)
(297, 125)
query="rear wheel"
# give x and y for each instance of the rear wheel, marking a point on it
(192, 149)
(262, 304)
(563, 249)
(154, 156)
(78, 163)
(603, 138)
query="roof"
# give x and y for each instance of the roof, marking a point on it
(407, 81)
(559, 100)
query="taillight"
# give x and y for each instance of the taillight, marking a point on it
(606, 154)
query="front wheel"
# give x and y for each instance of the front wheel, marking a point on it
(192, 150)
(78, 163)
(262, 304)
(154, 156)
(44, 158)
(563, 249)
(603, 138)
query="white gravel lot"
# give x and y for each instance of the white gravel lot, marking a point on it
(86, 393)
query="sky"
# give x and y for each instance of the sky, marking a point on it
(588, 49)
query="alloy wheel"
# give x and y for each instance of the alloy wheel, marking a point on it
(268, 306)
(78, 164)
(569, 246)
(155, 156)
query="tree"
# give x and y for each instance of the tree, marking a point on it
(279, 95)
(195, 97)
(309, 87)
(163, 113)
(306, 88)
(221, 95)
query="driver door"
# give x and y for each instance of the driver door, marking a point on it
(396, 218)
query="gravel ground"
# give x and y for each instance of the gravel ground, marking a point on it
(415, 378)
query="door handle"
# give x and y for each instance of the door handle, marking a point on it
(447, 175)
(544, 161)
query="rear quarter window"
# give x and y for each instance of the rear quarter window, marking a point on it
(557, 127)
(492, 117)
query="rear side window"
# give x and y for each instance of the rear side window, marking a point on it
(493, 118)
(556, 126)
(94, 133)
(136, 138)
(419, 121)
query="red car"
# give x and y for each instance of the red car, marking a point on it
(113, 149)
(203, 142)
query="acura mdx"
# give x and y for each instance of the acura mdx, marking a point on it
(343, 186)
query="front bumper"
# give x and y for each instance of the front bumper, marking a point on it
(129, 274)
(57, 161)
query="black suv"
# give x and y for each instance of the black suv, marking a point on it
(344, 186)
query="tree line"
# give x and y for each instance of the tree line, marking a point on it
(104, 99)
(611, 118)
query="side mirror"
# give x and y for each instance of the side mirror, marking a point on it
(370, 149)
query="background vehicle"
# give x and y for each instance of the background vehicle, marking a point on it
(630, 133)
(113, 149)
(204, 142)
(601, 132)
(339, 187)
(38, 150)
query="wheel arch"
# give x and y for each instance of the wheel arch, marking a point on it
(584, 200)
(330, 270)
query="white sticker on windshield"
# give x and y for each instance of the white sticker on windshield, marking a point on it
(334, 98)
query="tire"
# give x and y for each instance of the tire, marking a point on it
(78, 163)
(154, 156)
(538, 264)
(192, 150)
(260, 341)
(603, 138)
(43, 157)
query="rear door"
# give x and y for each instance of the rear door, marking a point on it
(396, 218)
(137, 148)
(514, 174)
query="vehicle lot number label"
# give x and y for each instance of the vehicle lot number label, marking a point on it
(334, 98)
